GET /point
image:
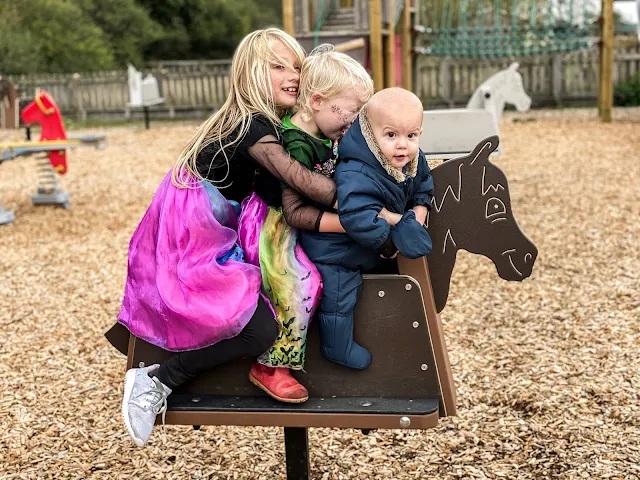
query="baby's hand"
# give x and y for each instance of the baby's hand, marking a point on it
(421, 214)
(391, 218)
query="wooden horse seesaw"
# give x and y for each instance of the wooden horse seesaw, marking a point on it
(409, 382)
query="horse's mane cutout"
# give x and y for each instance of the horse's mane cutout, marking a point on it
(495, 187)
(456, 190)
(450, 237)
(450, 188)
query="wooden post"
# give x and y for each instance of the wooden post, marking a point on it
(306, 17)
(390, 50)
(605, 87)
(287, 17)
(312, 15)
(557, 77)
(375, 43)
(405, 26)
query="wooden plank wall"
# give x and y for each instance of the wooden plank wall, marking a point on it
(194, 89)
(560, 79)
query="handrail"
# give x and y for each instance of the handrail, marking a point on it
(323, 9)
(392, 17)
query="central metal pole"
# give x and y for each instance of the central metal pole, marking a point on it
(146, 118)
(296, 446)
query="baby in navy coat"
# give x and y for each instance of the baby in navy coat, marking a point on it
(380, 166)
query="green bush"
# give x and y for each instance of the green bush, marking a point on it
(627, 94)
(87, 35)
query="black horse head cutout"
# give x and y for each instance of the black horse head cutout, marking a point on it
(472, 211)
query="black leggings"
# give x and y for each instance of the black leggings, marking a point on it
(255, 339)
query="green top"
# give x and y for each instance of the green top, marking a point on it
(308, 150)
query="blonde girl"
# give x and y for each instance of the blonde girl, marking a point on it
(194, 283)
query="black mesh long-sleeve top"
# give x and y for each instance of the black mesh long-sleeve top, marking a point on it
(257, 163)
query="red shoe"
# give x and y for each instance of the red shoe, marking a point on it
(278, 383)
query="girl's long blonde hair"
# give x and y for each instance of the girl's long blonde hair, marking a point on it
(250, 92)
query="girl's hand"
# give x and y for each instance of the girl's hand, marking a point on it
(391, 218)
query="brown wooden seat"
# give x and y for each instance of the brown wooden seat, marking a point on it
(407, 385)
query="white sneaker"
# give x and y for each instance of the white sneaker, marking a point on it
(144, 398)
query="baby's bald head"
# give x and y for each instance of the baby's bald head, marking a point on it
(394, 104)
(395, 116)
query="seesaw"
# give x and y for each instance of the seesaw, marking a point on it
(409, 384)
(51, 151)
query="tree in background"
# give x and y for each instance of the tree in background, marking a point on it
(19, 50)
(194, 28)
(56, 35)
(89, 35)
(269, 13)
(127, 26)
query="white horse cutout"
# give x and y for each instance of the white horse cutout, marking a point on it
(501, 88)
(455, 132)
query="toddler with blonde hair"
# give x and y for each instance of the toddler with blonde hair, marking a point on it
(333, 88)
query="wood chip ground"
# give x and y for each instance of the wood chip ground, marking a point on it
(547, 371)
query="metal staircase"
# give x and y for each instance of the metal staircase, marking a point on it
(332, 21)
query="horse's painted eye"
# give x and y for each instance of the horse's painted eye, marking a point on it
(494, 207)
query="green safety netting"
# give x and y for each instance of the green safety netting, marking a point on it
(505, 28)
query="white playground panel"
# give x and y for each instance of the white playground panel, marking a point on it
(142, 92)
(455, 132)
